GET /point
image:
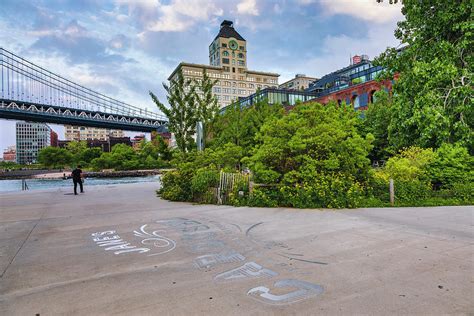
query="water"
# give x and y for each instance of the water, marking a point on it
(41, 184)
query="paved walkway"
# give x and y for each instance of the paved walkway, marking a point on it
(120, 250)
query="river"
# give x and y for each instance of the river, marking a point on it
(41, 184)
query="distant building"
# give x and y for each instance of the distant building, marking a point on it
(30, 139)
(228, 65)
(284, 97)
(136, 140)
(354, 84)
(79, 133)
(54, 139)
(104, 145)
(299, 82)
(10, 154)
(166, 137)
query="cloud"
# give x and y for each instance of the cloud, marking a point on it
(119, 42)
(368, 10)
(247, 7)
(336, 51)
(176, 16)
(75, 42)
(277, 9)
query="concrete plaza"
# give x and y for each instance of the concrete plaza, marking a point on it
(120, 250)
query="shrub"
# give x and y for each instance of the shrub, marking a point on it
(176, 185)
(263, 197)
(452, 165)
(204, 184)
(324, 191)
(411, 192)
(410, 164)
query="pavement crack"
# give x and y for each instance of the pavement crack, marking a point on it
(309, 261)
(251, 227)
(24, 241)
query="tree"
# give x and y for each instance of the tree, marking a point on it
(452, 165)
(54, 157)
(163, 148)
(207, 107)
(314, 156)
(433, 95)
(182, 113)
(376, 120)
(239, 125)
(89, 154)
(312, 136)
(76, 148)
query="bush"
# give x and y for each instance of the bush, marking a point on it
(176, 185)
(263, 197)
(410, 164)
(204, 184)
(324, 191)
(452, 165)
(411, 192)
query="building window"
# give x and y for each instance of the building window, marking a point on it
(241, 55)
(241, 63)
(233, 69)
(225, 53)
(242, 48)
(225, 60)
(224, 45)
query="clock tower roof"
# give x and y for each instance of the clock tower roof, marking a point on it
(227, 30)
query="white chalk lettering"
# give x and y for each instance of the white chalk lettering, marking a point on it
(248, 271)
(99, 239)
(107, 232)
(303, 291)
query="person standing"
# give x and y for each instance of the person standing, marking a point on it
(77, 179)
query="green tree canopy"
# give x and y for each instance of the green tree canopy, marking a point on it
(376, 120)
(54, 157)
(207, 107)
(433, 96)
(311, 139)
(182, 112)
(239, 125)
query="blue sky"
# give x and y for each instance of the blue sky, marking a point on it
(124, 48)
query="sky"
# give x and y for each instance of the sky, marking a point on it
(125, 48)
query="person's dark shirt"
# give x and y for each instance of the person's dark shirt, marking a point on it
(76, 174)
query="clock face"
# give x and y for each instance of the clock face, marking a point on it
(233, 45)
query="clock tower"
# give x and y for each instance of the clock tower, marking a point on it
(229, 50)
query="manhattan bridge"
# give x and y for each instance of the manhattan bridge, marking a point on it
(32, 93)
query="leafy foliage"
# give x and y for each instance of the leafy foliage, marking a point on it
(207, 107)
(182, 113)
(123, 157)
(433, 94)
(452, 166)
(376, 120)
(54, 157)
(316, 154)
(240, 125)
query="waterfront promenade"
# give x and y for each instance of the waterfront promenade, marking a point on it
(121, 250)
